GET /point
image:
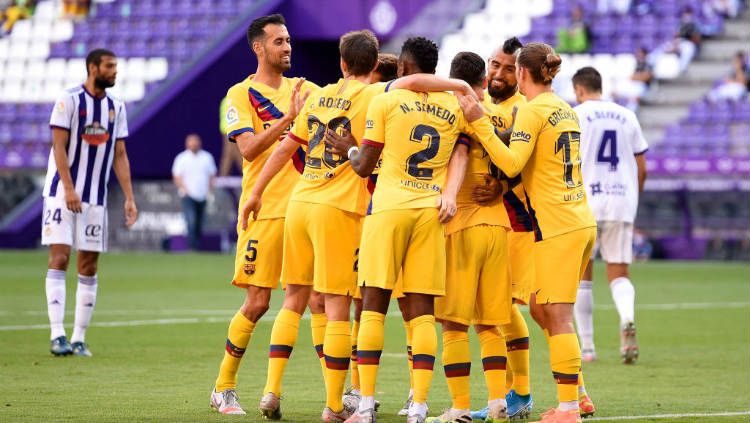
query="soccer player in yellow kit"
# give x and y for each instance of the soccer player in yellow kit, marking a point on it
(477, 284)
(501, 98)
(544, 149)
(416, 133)
(259, 112)
(322, 229)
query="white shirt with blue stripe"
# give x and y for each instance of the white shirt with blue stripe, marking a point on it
(94, 124)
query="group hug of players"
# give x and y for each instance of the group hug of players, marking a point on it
(459, 196)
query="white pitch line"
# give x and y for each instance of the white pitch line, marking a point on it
(217, 316)
(230, 312)
(670, 416)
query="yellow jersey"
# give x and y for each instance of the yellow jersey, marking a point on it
(514, 194)
(417, 132)
(544, 149)
(329, 178)
(253, 107)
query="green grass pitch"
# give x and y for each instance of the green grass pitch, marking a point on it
(160, 323)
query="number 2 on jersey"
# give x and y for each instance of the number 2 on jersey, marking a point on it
(609, 140)
(433, 145)
(569, 143)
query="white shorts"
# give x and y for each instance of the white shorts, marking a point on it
(614, 241)
(85, 231)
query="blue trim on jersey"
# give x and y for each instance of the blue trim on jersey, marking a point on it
(86, 194)
(231, 135)
(77, 156)
(532, 213)
(388, 85)
(102, 192)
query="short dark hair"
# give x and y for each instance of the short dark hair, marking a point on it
(511, 45)
(95, 57)
(257, 27)
(387, 66)
(424, 52)
(469, 67)
(588, 78)
(359, 50)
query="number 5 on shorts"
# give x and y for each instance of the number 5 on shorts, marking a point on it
(252, 252)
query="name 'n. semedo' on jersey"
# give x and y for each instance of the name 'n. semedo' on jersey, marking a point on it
(417, 132)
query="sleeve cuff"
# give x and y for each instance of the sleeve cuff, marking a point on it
(122, 138)
(640, 152)
(372, 143)
(463, 139)
(296, 139)
(59, 127)
(237, 132)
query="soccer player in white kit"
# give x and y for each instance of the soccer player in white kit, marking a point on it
(614, 171)
(89, 129)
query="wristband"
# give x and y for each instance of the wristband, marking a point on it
(351, 149)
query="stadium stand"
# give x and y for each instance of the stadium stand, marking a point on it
(699, 148)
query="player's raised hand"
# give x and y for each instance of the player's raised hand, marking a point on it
(447, 206)
(298, 99)
(340, 143)
(131, 213)
(485, 194)
(252, 205)
(73, 200)
(471, 107)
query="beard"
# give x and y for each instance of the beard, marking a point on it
(102, 83)
(501, 93)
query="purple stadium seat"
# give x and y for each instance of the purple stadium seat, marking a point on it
(742, 111)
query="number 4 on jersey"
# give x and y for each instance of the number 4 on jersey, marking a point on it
(608, 150)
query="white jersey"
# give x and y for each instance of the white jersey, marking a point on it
(95, 124)
(611, 137)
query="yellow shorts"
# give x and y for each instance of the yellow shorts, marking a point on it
(477, 283)
(258, 259)
(320, 248)
(521, 253)
(559, 263)
(409, 240)
(398, 290)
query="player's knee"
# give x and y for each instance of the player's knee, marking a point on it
(254, 310)
(453, 326)
(58, 261)
(87, 267)
(537, 313)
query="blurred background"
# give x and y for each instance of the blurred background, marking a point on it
(682, 65)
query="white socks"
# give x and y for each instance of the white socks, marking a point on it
(584, 314)
(417, 408)
(623, 294)
(55, 288)
(568, 405)
(366, 403)
(85, 301)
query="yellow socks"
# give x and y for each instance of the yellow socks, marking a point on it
(517, 342)
(581, 384)
(240, 332)
(318, 328)
(337, 348)
(494, 362)
(409, 358)
(424, 348)
(457, 366)
(353, 365)
(565, 358)
(369, 348)
(283, 337)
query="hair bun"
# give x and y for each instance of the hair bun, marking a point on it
(551, 67)
(553, 60)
